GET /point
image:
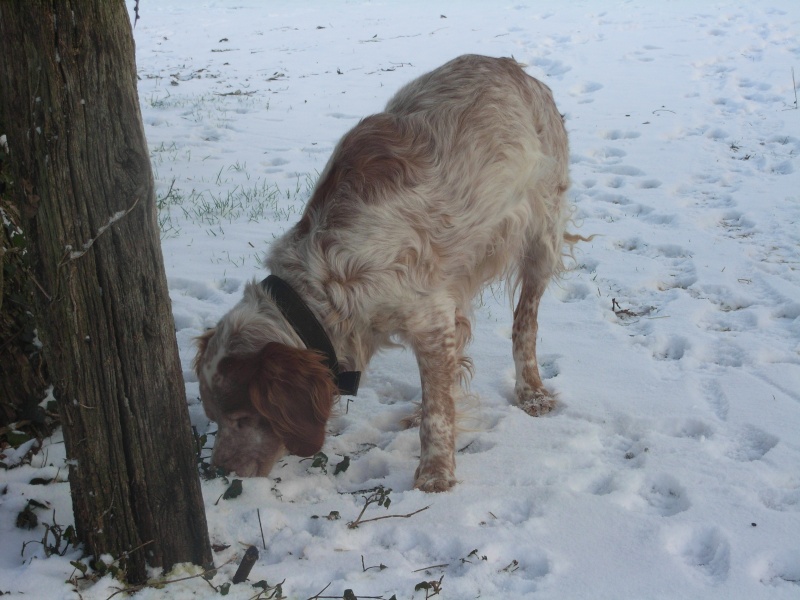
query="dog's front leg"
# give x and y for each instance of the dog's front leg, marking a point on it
(434, 343)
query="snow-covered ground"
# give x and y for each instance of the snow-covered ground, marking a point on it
(671, 468)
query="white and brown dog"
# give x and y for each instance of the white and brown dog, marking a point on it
(459, 182)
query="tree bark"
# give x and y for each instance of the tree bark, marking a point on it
(22, 371)
(81, 175)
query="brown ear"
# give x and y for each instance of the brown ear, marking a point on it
(294, 390)
(202, 343)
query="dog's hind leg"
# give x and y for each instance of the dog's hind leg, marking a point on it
(534, 274)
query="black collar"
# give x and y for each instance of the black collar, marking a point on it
(310, 330)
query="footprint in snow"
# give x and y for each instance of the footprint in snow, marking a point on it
(621, 205)
(608, 154)
(615, 182)
(747, 83)
(723, 297)
(751, 443)
(632, 244)
(666, 347)
(780, 569)
(666, 220)
(735, 224)
(706, 550)
(274, 165)
(782, 499)
(508, 510)
(665, 495)
(618, 134)
(724, 353)
(394, 391)
(716, 398)
(640, 56)
(368, 470)
(632, 450)
(551, 67)
(618, 199)
(584, 91)
(572, 291)
(689, 428)
(548, 366)
(649, 184)
(716, 321)
(625, 170)
(603, 485)
(681, 273)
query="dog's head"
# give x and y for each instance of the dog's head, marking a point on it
(268, 396)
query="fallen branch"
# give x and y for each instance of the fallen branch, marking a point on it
(248, 560)
(319, 594)
(442, 566)
(357, 522)
(379, 496)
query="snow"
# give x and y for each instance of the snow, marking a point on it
(671, 468)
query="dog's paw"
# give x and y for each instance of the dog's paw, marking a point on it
(536, 402)
(435, 482)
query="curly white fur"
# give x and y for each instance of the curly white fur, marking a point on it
(459, 182)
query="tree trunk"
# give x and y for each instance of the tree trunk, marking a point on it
(81, 175)
(22, 373)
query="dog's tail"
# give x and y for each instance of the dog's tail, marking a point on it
(570, 239)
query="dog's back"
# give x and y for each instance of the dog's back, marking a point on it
(502, 158)
(446, 189)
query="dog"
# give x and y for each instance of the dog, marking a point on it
(461, 181)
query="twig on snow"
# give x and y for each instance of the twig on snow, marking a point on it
(263, 541)
(794, 87)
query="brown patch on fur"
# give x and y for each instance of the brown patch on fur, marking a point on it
(202, 345)
(294, 390)
(381, 155)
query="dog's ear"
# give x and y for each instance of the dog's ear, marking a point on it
(294, 390)
(202, 343)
